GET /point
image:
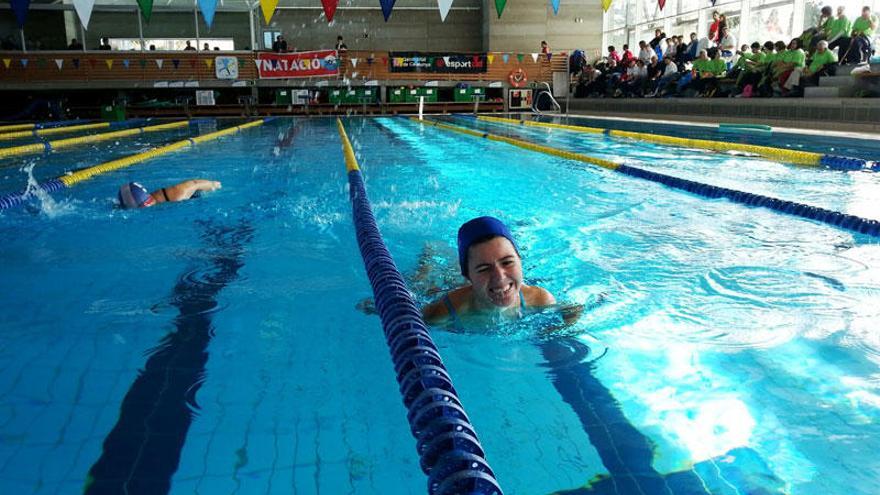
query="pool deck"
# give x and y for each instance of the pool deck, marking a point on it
(846, 115)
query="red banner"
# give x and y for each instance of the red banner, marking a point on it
(299, 64)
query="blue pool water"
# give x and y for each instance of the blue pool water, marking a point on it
(216, 345)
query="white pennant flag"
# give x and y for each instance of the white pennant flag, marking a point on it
(354, 62)
(444, 6)
(84, 10)
(535, 57)
(59, 62)
(159, 62)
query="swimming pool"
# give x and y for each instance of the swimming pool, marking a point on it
(216, 346)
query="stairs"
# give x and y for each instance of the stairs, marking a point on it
(843, 85)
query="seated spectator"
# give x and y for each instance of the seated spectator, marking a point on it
(206, 48)
(728, 45)
(692, 49)
(862, 37)
(545, 48)
(751, 66)
(152, 48)
(645, 52)
(667, 78)
(822, 63)
(613, 55)
(671, 48)
(838, 30)
(812, 35)
(790, 66)
(627, 55)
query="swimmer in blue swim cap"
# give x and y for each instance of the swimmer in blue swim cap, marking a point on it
(134, 195)
(490, 260)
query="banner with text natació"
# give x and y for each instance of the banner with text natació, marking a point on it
(320, 63)
(448, 63)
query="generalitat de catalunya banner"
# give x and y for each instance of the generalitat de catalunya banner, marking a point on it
(447, 63)
(319, 63)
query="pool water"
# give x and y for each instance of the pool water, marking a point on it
(217, 345)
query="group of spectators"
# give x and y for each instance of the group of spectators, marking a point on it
(280, 45)
(716, 66)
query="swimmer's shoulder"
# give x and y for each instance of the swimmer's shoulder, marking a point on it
(537, 297)
(437, 312)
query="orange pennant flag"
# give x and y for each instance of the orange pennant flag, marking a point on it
(109, 63)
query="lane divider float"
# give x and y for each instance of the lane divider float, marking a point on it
(829, 217)
(40, 125)
(785, 155)
(49, 146)
(449, 451)
(14, 199)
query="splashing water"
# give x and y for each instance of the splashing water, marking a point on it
(48, 206)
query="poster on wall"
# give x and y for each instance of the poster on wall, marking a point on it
(446, 63)
(320, 63)
(226, 67)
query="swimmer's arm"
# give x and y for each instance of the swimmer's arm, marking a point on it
(435, 313)
(185, 190)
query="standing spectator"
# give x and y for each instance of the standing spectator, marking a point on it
(715, 28)
(75, 45)
(658, 43)
(728, 45)
(340, 44)
(152, 48)
(189, 47)
(862, 39)
(105, 44)
(838, 30)
(280, 44)
(545, 48)
(206, 48)
(810, 37)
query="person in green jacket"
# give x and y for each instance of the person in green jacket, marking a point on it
(792, 66)
(839, 29)
(861, 40)
(752, 65)
(822, 63)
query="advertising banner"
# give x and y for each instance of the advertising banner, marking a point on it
(321, 63)
(439, 63)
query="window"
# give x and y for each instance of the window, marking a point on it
(269, 38)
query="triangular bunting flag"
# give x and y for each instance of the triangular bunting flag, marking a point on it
(24, 62)
(384, 60)
(20, 8)
(209, 62)
(75, 63)
(146, 8)
(143, 63)
(84, 10)
(354, 62)
(256, 62)
(109, 63)
(606, 4)
(176, 62)
(555, 4)
(329, 8)
(520, 57)
(387, 5)
(661, 3)
(59, 62)
(125, 63)
(208, 7)
(41, 63)
(370, 60)
(6, 62)
(713, 2)
(192, 63)
(499, 6)
(159, 62)
(535, 57)
(444, 6)
(505, 57)
(490, 57)
(548, 56)
(268, 8)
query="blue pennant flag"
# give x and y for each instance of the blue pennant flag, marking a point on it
(24, 62)
(387, 5)
(20, 7)
(125, 63)
(555, 6)
(208, 7)
(76, 63)
(176, 63)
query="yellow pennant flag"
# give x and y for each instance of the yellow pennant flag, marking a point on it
(606, 4)
(490, 57)
(268, 7)
(109, 63)
(7, 61)
(209, 62)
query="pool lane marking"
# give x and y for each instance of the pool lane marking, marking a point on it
(829, 217)
(16, 127)
(53, 185)
(54, 130)
(49, 146)
(142, 451)
(351, 164)
(805, 158)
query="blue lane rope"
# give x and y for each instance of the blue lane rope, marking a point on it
(60, 123)
(15, 199)
(834, 218)
(449, 451)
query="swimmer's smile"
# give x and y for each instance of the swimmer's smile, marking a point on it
(500, 295)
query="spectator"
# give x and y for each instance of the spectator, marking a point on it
(75, 45)
(280, 45)
(189, 47)
(862, 37)
(612, 54)
(838, 30)
(105, 44)
(811, 36)
(206, 48)
(340, 44)
(790, 66)
(545, 48)
(645, 52)
(658, 43)
(667, 78)
(728, 44)
(216, 48)
(627, 55)
(152, 48)
(715, 27)
(692, 49)
(822, 63)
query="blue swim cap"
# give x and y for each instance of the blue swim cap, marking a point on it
(479, 230)
(134, 195)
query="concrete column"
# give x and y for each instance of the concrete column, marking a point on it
(744, 35)
(797, 22)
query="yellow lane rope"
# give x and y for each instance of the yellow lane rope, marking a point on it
(128, 161)
(29, 149)
(781, 154)
(607, 164)
(351, 163)
(53, 130)
(16, 127)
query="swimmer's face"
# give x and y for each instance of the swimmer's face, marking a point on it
(495, 271)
